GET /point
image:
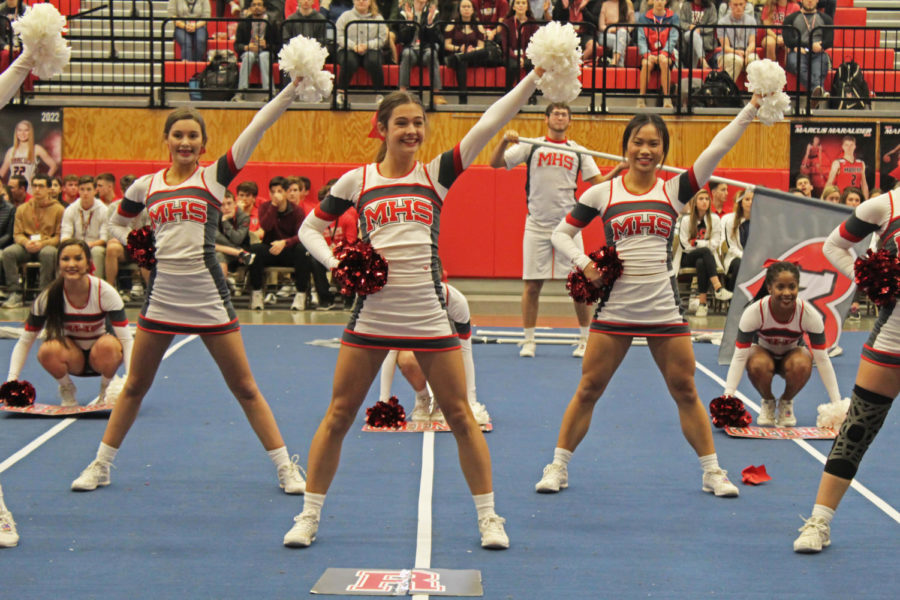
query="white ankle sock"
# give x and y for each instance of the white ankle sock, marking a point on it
(484, 504)
(313, 502)
(64, 380)
(104, 380)
(823, 512)
(423, 394)
(710, 462)
(561, 457)
(106, 454)
(585, 331)
(279, 456)
(528, 332)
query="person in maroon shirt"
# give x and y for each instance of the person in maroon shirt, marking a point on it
(280, 247)
(515, 38)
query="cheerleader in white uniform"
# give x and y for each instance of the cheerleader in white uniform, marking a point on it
(22, 158)
(639, 211)
(188, 293)
(399, 202)
(74, 310)
(877, 379)
(770, 342)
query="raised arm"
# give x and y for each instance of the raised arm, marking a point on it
(723, 142)
(11, 79)
(246, 142)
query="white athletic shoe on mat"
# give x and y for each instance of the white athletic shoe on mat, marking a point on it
(285, 291)
(256, 300)
(437, 415)
(716, 482)
(722, 294)
(9, 537)
(493, 535)
(528, 349)
(578, 352)
(766, 416)
(480, 412)
(702, 311)
(421, 412)
(299, 302)
(786, 416)
(556, 477)
(96, 474)
(290, 478)
(303, 533)
(814, 535)
(67, 394)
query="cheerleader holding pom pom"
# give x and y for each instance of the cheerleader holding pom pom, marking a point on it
(303, 59)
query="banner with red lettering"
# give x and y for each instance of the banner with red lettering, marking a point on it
(399, 582)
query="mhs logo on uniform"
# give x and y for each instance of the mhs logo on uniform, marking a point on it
(641, 223)
(398, 210)
(177, 209)
(555, 159)
(396, 582)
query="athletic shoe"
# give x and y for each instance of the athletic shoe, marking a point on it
(556, 477)
(693, 304)
(421, 412)
(137, 290)
(289, 477)
(256, 300)
(814, 535)
(716, 482)
(437, 415)
(67, 394)
(786, 416)
(480, 413)
(303, 533)
(314, 298)
(766, 416)
(14, 301)
(702, 311)
(835, 352)
(270, 298)
(285, 291)
(299, 301)
(493, 535)
(9, 538)
(723, 295)
(528, 349)
(578, 352)
(96, 474)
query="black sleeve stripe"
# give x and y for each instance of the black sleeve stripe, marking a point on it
(584, 213)
(859, 228)
(447, 173)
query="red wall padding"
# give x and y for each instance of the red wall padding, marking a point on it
(483, 217)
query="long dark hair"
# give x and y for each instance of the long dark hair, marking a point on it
(386, 109)
(56, 302)
(639, 121)
(739, 216)
(772, 272)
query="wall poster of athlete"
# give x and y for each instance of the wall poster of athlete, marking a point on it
(31, 141)
(889, 165)
(839, 154)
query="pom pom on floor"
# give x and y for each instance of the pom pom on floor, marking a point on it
(17, 393)
(832, 414)
(728, 411)
(304, 59)
(386, 414)
(40, 30)
(554, 48)
(141, 248)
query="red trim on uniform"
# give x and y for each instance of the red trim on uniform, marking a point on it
(398, 337)
(184, 330)
(575, 222)
(119, 323)
(457, 159)
(32, 328)
(695, 185)
(232, 166)
(632, 193)
(86, 302)
(126, 214)
(818, 347)
(324, 215)
(742, 345)
(846, 234)
(633, 334)
(639, 325)
(464, 336)
(378, 169)
(563, 141)
(886, 353)
(376, 347)
(225, 324)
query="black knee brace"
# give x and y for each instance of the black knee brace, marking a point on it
(864, 419)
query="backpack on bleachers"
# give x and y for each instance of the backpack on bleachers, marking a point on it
(848, 88)
(219, 79)
(719, 91)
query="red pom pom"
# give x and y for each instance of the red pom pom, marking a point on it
(728, 411)
(141, 248)
(878, 275)
(17, 393)
(607, 262)
(361, 270)
(386, 414)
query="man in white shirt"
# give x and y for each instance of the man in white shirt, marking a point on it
(85, 219)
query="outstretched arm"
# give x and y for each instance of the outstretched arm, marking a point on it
(11, 79)
(723, 142)
(246, 142)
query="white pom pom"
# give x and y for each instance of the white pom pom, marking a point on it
(41, 32)
(303, 58)
(767, 78)
(832, 414)
(554, 48)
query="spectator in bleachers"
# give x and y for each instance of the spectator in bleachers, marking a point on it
(488, 13)
(829, 7)
(106, 187)
(298, 194)
(125, 182)
(736, 228)
(804, 30)
(333, 9)
(832, 194)
(612, 13)
(360, 44)
(698, 20)
(274, 10)
(7, 223)
(190, 27)
(804, 185)
(847, 170)
(700, 236)
(56, 190)
(658, 47)
(307, 22)
(36, 236)
(70, 189)
(774, 12)
(852, 196)
(12, 10)
(421, 44)
(233, 237)
(86, 220)
(738, 45)
(515, 40)
(541, 9)
(577, 12)
(719, 193)
(281, 247)
(464, 43)
(254, 40)
(247, 192)
(18, 190)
